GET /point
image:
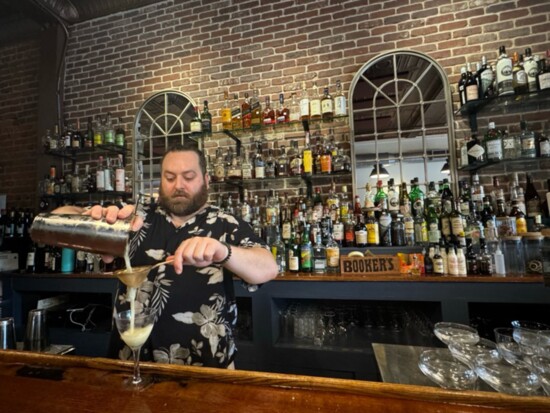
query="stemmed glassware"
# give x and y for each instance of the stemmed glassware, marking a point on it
(135, 326)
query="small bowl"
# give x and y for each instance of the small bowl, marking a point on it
(466, 353)
(542, 368)
(516, 379)
(443, 369)
(455, 333)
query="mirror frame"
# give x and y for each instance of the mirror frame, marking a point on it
(453, 176)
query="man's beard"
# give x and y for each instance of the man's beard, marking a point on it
(182, 205)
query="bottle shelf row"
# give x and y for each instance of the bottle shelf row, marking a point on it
(73, 153)
(255, 181)
(509, 165)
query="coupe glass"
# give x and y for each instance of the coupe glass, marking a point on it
(455, 333)
(466, 352)
(134, 327)
(443, 369)
(507, 347)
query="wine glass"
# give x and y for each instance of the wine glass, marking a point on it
(134, 327)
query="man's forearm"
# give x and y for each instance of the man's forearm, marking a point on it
(254, 265)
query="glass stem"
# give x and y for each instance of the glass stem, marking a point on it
(137, 377)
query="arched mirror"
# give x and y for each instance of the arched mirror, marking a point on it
(161, 121)
(401, 121)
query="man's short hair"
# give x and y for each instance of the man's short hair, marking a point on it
(188, 147)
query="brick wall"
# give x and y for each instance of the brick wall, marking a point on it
(204, 47)
(18, 117)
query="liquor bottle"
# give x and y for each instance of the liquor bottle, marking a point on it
(462, 85)
(120, 175)
(305, 251)
(333, 202)
(109, 176)
(270, 166)
(233, 116)
(314, 103)
(404, 200)
(420, 229)
(428, 262)
(349, 231)
(485, 261)
(226, 112)
(519, 216)
(546, 204)
(487, 79)
(340, 105)
(532, 199)
(281, 163)
(434, 233)
(246, 112)
(327, 106)
(234, 167)
(438, 264)
(504, 75)
(196, 124)
(307, 157)
(293, 253)
(493, 143)
(372, 230)
(417, 198)
(434, 197)
(381, 198)
(543, 76)
(345, 203)
(256, 118)
(246, 167)
(206, 120)
(519, 76)
(447, 197)
(294, 159)
(528, 145)
(393, 198)
(282, 114)
(31, 259)
(98, 132)
(120, 134)
(461, 263)
(88, 135)
(398, 231)
(531, 68)
(319, 256)
(109, 131)
(543, 144)
(268, 113)
(304, 103)
(77, 140)
(361, 233)
(472, 87)
(219, 166)
(100, 175)
(472, 263)
(517, 194)
(488, 219)
(90, 180)
(475, 150)
(384, 225)
(47, 142)
(369, 196)
(333, 256)
(259, 164)
(511, 145)
(477, 191)
(452, 261)
(294, 114)
(326, 160)
(338, 230)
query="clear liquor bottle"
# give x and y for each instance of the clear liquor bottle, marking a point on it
(340, 104)
(304, 103)
(511, 145)
(319, 256)
(531, 69)
(246, 167)
(278, 250)
(270, 166)
(528, 142)
(294, 114)
(281, 163)
(333, 256)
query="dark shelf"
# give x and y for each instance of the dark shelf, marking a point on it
(507, 103)
(74, 153)
(510, 165)
(85, 195)
(316, 177)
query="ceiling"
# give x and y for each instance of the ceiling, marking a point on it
(21, 19)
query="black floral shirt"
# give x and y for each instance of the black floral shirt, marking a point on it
(197, 310)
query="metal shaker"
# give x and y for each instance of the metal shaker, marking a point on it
(81, 232)
(36, 336)
(7, 333)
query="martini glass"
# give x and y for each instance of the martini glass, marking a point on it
(134, 328)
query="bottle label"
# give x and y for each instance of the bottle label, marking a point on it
(259, 172)
(472, 92)
(315, 107)
(545, 149)
(196, 126)
(528, 144)
(109, 136)
(293, 261)
(338, 231)
(307, 162)
(509, 143)
(494, 149)
(438, 266)
(361, 237)
(476, 151)
(304, 107)
(333, 257)
(120, 179)
(544, 80)
(30, 259)
(340, 106)
(326, 106)
(226, 116)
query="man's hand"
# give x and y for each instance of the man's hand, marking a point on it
(199, 252)
(113, 213)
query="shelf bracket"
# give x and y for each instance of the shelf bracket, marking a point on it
(237, 140)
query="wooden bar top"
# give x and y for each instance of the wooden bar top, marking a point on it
(35, 382)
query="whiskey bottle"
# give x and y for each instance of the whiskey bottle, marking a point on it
(530, 66)
(295, 159)
(294, 114)
(462, 85)
(281, 163)
(327, 106)
(206, 120)
(340, 105)
(236, 113)
(360, 232)
(307, 157)
(304, 103)
(314, 103)
(76, 142)
(543, 76)
(89, 135)
(259, 164)
(226, 112)
(195, 125)
(471, 86)
(282, 114)
(487, 79)
(256, 111)
(504, 75)
(268, 113)
(332, 251)
(532, 199)
(246, 112)
(519, 76)
(270, 166)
